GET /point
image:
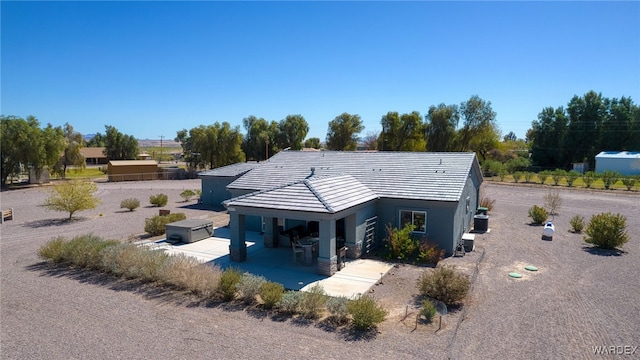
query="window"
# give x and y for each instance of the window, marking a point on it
(468, 204)
(417, 218)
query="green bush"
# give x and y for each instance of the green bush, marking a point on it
(428, 310)
(589, 178)
(609, 178)
(229, 281)
(365, 312)
(444, 284)
(557, 175)
(607, 231)
(502, 173)
(249, 287)
(271, 293)
(528, 176)
(290, 302)
(517, 176)
(187, 194)
(430, 253)
(538, 215)
(571, 177)
(337, 307)
(629, 182)
(544, 176)
(53, 250)
(577, 223)
(400, 243)
(81, 251)
(313, 301)
(159, 199)
(131, 204)
(157, 225)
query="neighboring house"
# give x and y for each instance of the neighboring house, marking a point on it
(215, 181)
(94, 155)
(133, 170)
(624, 162)
(348, 198)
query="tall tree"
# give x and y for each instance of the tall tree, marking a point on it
(119, 146)
(370, 141)
(16, 135)
(621, 125)
(586, 117)
(96, 141)
(343, 132)
(442, 122)
(292, 131)
(259, 141)
(402, 132)
(312, 143)
(71, 155)
(479, 130)
(212, 146)
(547, 138)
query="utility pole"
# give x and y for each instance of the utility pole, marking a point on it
(161, 137)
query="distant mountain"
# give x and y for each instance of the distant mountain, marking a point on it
(88, 137)
(156, 143)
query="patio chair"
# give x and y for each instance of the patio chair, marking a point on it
(297, 250)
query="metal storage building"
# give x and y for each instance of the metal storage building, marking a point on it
(132, 170)
(624, 162)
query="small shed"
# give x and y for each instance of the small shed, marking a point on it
(133, 170)
(624, 162)
(190, 230)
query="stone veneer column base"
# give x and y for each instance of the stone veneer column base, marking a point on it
(238, 253)
(327, 267)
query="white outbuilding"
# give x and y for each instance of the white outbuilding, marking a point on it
(624, 162)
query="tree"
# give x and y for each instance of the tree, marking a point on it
(212, 146)
(370, 141)
(402, 132)
(511, 136)
(442, 122)
(73, 196)
(292, 131)
(479, 131)
(71, 154)
(343, 132)
(546, 138)
(259, 141)
(96, 141)
(119, 146)
(312, 143)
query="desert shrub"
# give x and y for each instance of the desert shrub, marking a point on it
(187, 194)
(400, 243)
(157, 225)
(538, 214)
(571, 177)
(249, 287)
(557, 175)
(229, 282)
(428, 310)
(543, 176)
(487, 202)
(313, 302)
(502, 173)
(607, 230)
(553, 202)
(528, 176)
(337, 307)
(134, 262)
(271, 293)
(445, 284)
(577, 223)
(53, 250)
(517, 176)
(629, 182)
(187, 273)
(365, 312)
(492, 167)
(159, 199)
(290, 302)
(131, 204)
(589, 178)
(430, 253)
(609, 178)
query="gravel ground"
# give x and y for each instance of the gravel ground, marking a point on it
(579, 298)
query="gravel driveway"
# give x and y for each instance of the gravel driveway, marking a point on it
(578, 299)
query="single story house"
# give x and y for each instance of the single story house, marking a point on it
(624, 162)
(133, 170)
(94, 155)
(215, 181)
(349, 198)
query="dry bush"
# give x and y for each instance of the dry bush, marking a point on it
(487, 202)
(313, 302)
(365, 312)
(249, 287)
(553, 202)
(445, 284)
(430, 253)
(131, 204)
(271, 293)
(186, 272)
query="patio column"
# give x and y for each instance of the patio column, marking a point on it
(354, 247)
(327, 259)
(238, 246)
(270, 235)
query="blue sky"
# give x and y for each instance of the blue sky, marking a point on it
(153, 68)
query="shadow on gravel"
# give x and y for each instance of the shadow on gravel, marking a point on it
(351, 334)
(602, 252)
(203, 207)
(53, 222)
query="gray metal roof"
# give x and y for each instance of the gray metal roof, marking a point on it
(230, 170)
(323, 194)
(407, 175)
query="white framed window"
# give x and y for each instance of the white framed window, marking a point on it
(417, 218)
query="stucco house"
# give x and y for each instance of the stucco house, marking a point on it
(348, 198)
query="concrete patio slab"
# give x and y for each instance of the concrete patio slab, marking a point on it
(276, 264)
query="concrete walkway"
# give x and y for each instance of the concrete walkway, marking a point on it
(276, 264)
